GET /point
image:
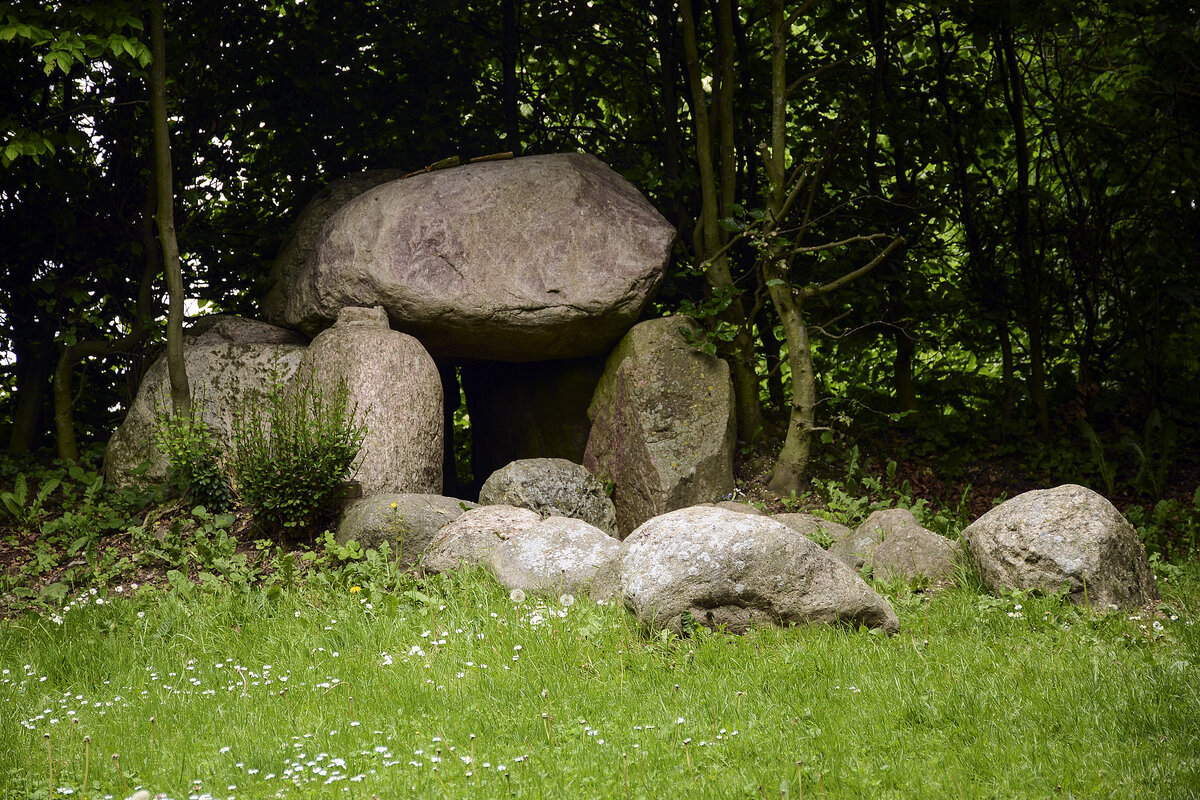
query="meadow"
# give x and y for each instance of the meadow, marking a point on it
(320, 687)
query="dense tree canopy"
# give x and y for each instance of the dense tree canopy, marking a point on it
(975, 223)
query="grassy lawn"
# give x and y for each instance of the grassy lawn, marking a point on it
(451, 688)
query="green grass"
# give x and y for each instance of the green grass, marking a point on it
(323, 692)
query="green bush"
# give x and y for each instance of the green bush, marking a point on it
(291, 453)
(195, 469)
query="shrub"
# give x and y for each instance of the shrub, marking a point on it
(194, 457)
(291, 453)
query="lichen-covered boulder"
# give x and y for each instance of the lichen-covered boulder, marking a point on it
(407, 522)
(663, 426)
(552, 487)
(534, 258)
(740, 570)
(1067, 536)
(396, 388)
(470, 539)
(559, 556)
(231, 363)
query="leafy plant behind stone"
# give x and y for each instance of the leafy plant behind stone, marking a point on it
(292, 453)
(195, 469)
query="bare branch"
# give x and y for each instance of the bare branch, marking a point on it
(831, 245)
(817, 291)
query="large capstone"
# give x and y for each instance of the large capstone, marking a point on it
(307, 230)
(663, 426)
(394, 385)
(232, 363)
(1066, 538)
(534, 258)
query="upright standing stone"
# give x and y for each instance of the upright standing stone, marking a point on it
(396, 387)
(231, 363)
(663, 426)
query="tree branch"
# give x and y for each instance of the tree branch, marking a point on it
(817, 291)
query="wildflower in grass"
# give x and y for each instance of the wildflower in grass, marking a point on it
(517, 596)
(566, 600)
(355, 589)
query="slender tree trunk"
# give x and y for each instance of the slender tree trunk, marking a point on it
(707, 238)
(666, 16)
(1030, 279)
(791, 466)
(33, 372)
(902, 372)
(508, 67)
(181, 398)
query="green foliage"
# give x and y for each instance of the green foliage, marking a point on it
(195, 467)
(292, 452)
(25, 511)
(1169, 528)
(850, 499)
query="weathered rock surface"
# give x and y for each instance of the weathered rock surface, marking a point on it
(471, 538)
(858, 549)
(230, 362)
(395, 385)
(407, 522)
(905, 550)
(559, 556)
(663, 425)
(307, 229)
(552, 487)
(741, 508)
(535, 258)
(820, 530)
(740, 570)
(532, 410)
(1068, 535)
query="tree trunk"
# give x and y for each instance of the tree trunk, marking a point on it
(181, 398)
(508, 69)
(33, 372)
(791, 467)
(902, 371)
(1030, 279)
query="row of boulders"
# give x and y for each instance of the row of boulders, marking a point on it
(730, 565)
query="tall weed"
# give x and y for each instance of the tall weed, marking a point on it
(292, 453)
